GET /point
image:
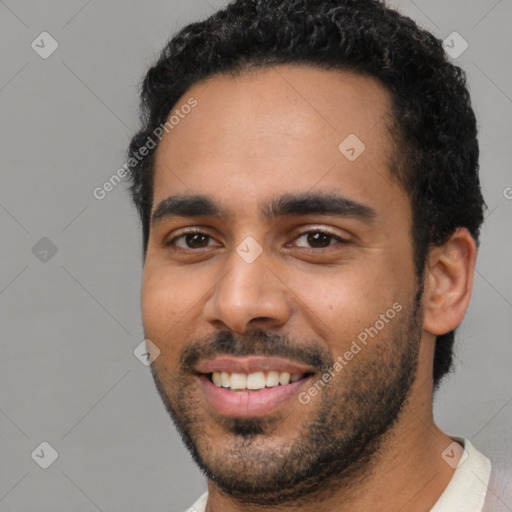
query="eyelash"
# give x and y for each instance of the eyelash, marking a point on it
(171, 243)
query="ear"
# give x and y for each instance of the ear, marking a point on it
(449, 282)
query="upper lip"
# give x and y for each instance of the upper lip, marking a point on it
(252, 364)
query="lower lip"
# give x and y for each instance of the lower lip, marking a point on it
(248, 404)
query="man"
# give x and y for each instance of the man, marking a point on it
(307, 180)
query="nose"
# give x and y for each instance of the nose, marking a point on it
(248, 296)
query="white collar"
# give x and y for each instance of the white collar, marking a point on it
(467, 488)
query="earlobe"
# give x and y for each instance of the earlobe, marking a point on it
(449, 282)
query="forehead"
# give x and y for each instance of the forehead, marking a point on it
(284, 128)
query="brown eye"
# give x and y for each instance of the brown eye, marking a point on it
(195, 240)
(318, 239)
(190, 240)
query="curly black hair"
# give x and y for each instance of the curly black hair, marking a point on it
(434, 132)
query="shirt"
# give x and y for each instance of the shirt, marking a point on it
(466, 491)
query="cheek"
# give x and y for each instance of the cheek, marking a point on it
(165, 303)
(343, 304)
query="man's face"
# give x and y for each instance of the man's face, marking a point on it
(290, 293)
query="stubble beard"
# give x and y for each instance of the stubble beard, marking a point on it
(337, 443)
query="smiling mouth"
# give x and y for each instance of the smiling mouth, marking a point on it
(254, 382)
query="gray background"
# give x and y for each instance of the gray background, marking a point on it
(70, 323)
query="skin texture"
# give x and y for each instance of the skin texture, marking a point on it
(250, 138)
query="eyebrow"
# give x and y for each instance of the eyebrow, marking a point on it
(285, 205)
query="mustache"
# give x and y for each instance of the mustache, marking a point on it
(257, 343)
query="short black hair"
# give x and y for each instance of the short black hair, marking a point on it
(434, 132)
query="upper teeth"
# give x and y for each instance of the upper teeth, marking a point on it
(256, 380)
